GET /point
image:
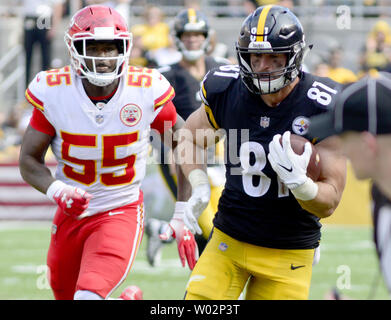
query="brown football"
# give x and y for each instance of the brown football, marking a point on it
(313, 169)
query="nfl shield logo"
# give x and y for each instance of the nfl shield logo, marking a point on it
(265, 121)
(99, 118)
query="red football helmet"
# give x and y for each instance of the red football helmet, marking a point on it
(99, 23)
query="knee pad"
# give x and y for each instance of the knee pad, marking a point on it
(86, 295)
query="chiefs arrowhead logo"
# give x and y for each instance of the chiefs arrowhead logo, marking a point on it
(130, 114)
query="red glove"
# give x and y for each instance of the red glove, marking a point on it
(72, 200)
(187, 246)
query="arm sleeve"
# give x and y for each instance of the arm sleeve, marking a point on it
(166, 118)
(39, 122)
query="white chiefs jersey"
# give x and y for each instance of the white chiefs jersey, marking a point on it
(102, 151)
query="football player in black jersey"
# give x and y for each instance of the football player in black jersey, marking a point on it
(362, 119)
(191, 32)
(267, 225)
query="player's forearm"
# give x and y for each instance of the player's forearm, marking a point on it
(325, 202)
(32, 159)
(189, 157)
(184, 187)
(35, 173)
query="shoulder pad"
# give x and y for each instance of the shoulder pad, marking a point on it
(58, 77)
(35, 92)
(43, 86)
(222, 60)
(322, 91)
(164, 69)
(161, 88)
(218, 80)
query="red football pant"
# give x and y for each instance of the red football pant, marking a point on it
(94, 253)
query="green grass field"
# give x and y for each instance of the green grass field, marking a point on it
(348, 261)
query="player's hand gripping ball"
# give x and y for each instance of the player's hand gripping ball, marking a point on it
(313, 168)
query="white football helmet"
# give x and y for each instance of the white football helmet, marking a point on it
(98, 23)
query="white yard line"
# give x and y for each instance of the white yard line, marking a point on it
(23, 224)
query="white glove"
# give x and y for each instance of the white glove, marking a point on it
(198, 201)
(291, 167)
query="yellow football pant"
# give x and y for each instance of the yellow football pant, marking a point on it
(205, 220)
(227, 264)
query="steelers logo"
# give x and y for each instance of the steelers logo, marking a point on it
(130, 114)
(300, 125)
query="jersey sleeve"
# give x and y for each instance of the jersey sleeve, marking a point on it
(39, 122)
(163, 92)
(35, 92)
(212, 93)
(166, 118)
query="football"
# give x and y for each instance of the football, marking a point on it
(313, 169)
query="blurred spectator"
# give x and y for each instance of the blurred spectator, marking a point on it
(122, 6)
(12, 127)
(376, 53)
(195, 4)
(41, 18)
(321, 69)
(138, 55)
(336, 71)
(333, 68)
(251, 5)
(219, 49)
(155, 36)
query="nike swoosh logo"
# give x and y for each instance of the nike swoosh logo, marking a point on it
(113, 213)
(287, 169)
(296, 267)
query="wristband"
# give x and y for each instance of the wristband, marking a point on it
(306, 191)
(198, 177)
(179, 211)
(54, 188)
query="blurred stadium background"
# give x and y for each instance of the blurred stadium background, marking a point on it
(359, 29)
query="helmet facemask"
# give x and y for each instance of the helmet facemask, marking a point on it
(270, 82)
(77, 46)
(192, 55)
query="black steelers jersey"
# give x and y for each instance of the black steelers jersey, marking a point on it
(187, 98)
(255, 206)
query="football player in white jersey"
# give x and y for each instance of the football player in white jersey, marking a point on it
(97, 115)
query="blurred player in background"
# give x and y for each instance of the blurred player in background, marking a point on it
(191, 33)
(41, 20)
(267, 225)
(362, 120)
(96, 115)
